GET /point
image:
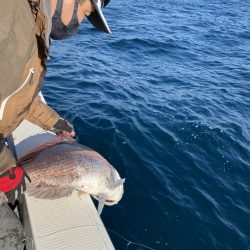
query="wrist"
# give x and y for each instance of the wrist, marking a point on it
(63, 125)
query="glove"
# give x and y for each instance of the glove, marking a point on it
(13, 183)
(63, 126)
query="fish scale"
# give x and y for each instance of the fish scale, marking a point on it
(56, 169)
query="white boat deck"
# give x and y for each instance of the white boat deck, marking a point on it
(67, 223)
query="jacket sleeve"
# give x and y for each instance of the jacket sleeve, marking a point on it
(42, 115)
(17, 40)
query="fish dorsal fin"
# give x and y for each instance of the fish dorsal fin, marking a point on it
(102, 199)
(35, 152)
(117, 183)
(48, 192)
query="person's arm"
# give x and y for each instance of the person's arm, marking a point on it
(46, 118)
(42, 115)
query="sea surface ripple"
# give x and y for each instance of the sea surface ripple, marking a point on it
(165, 99)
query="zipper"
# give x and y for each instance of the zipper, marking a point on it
(30, 74)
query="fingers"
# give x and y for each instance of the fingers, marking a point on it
(63, 125)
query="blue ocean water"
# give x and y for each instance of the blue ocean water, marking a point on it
(165, 99)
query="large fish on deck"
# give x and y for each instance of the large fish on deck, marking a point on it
(58, 168)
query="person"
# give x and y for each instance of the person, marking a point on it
(25, 32)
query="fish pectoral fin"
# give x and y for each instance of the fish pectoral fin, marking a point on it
(81, 194)
(102, 199)
(48, 191)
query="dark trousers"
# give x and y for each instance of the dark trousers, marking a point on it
(11, 230)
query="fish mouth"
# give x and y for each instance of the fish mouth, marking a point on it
(120, 187)
(107, 202)
(110, 202)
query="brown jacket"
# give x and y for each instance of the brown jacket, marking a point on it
(23, 56)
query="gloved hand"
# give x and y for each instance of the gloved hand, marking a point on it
(12, 183)
(64, 128)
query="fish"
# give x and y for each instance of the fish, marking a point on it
(58, 168)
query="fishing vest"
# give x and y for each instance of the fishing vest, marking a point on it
(23, 55)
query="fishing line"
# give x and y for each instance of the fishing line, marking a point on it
(77, 78)
(129, 242)
(97, 225)
(77, 63)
